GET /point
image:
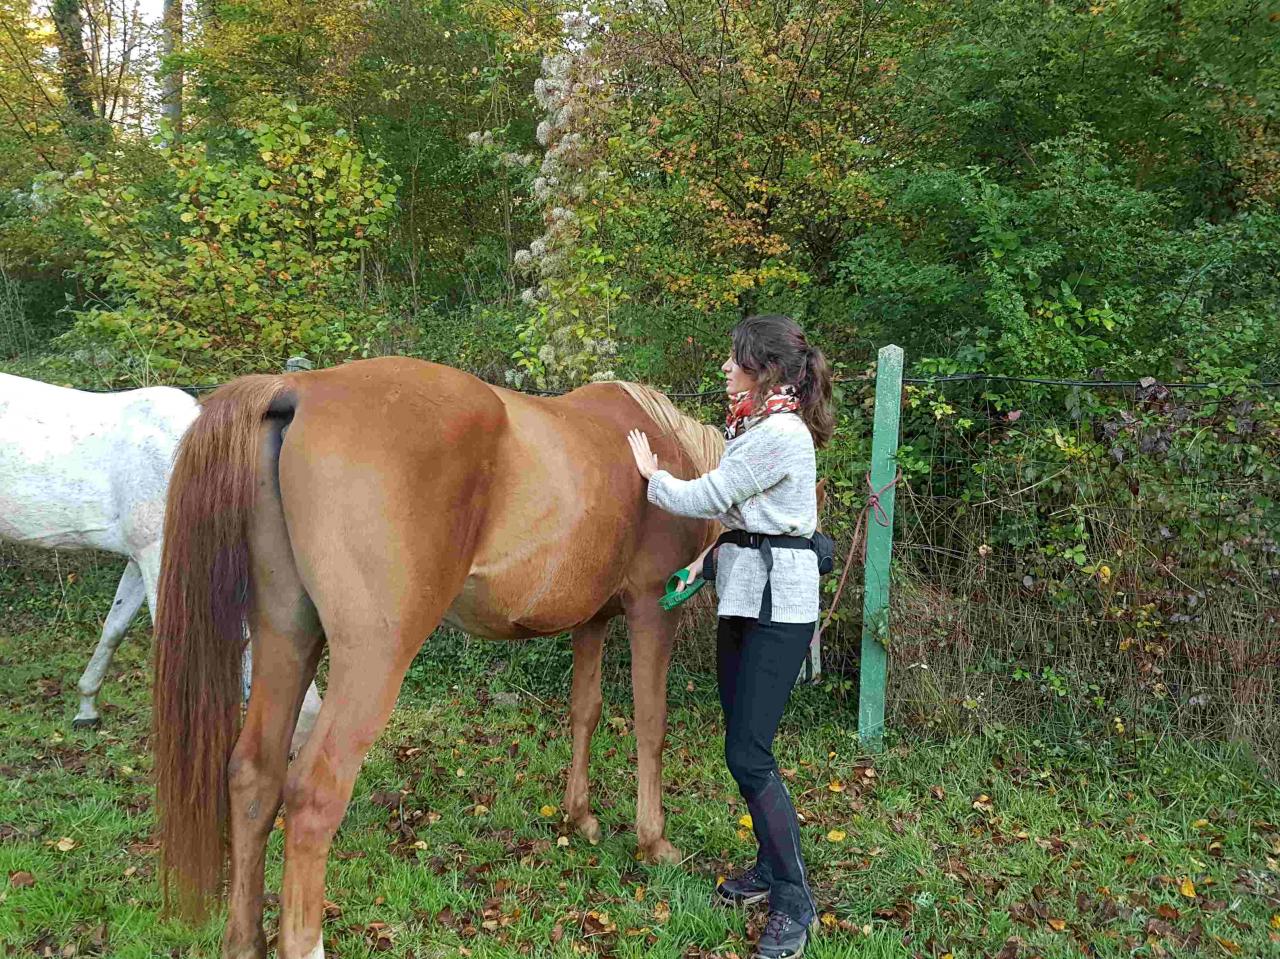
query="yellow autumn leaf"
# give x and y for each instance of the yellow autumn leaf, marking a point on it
(65, 844)
(548, 810)
(1057, 925)
(836, 786)
(745, 821)
(1275, 921)
(828, 919)
(480, 810)
(1187, 888)
(639, 893)
(835, 835)
(1200, 823)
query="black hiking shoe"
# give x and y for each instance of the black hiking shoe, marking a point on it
(744, 890)
(783, 938)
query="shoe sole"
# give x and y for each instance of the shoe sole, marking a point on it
(739, 903)
(795, 955)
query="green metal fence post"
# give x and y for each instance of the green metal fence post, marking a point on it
(875, 603)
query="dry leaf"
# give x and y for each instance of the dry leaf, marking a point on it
(1187, 888)
(1057, 925)
(548, 810)
(20, 880)
(836, 786)
(562, 841)
(65, 844)
(662, 912)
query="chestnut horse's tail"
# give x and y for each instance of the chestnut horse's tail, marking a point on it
(203, 601)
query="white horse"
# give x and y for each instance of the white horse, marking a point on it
(90, 471)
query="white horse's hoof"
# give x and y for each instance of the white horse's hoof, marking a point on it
(86, 722)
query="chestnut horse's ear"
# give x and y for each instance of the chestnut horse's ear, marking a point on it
(821, 492)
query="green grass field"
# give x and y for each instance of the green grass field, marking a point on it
(997, 845)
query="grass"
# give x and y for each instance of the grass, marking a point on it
(995, 844)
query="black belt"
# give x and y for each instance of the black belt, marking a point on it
(766, 543)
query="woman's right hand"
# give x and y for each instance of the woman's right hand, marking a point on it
(695, 568)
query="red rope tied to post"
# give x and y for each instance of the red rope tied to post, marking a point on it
(859, 542)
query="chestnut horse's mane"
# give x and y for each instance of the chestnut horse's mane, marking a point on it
(704, 444)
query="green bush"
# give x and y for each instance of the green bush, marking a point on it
(256, 252)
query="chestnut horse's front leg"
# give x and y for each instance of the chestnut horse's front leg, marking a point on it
(652, 634)
(584, 716)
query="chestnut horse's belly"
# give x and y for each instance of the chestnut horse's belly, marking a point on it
(560, 532)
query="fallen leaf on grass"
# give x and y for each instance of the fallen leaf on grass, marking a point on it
(745, 821)
(1187, 888)
(562, 841)
(65, 844)
(378, 936)
(836, 786)
(547, 810)
(1230, 947)
(836, 835)
(20, 880)
(662, 912)
(1057, 925)
(982, 803)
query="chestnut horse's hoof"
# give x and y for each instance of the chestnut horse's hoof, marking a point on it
(662, 853)
(589, 829)
(234, 948)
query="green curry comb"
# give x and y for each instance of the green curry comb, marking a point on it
(674, 595)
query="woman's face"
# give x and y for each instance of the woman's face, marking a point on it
(737, 380)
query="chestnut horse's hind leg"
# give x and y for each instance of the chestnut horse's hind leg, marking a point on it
(285, 661)
(286, 642)
(364, 680)
(652, 633)
(584, 716)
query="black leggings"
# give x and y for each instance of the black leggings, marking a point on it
(757, 666)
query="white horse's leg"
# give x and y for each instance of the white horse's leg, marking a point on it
(306, 718)
(130, 595)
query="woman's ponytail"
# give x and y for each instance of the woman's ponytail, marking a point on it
(814, 393)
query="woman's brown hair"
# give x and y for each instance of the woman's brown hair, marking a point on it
(774, 350)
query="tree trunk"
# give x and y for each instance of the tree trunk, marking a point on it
(73, 61)
(171, 76)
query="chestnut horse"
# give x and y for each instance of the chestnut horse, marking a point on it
(361, 506)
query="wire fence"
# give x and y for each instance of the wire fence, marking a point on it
(1100, 556)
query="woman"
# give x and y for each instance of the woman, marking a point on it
(779, 411)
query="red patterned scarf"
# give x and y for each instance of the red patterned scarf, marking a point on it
(743, 415)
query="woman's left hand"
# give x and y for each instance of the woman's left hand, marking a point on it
(646, 461)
